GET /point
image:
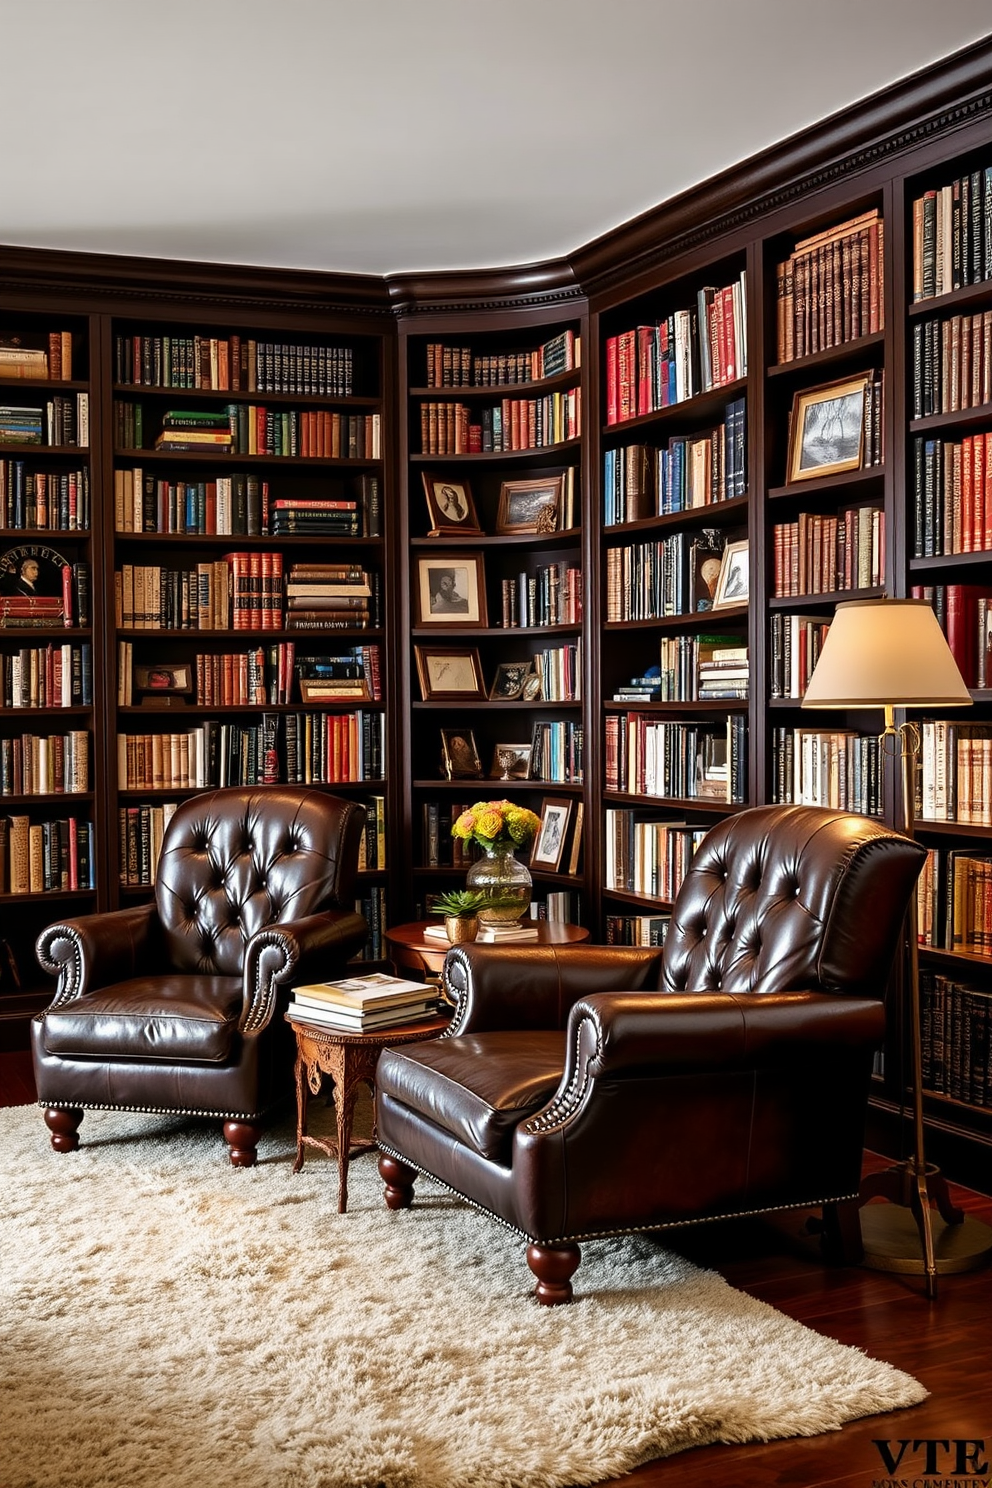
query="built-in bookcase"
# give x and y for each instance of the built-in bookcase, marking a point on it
(497, 596)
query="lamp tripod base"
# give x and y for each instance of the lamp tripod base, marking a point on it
(910, 1235)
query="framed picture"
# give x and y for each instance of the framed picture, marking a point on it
(164, 677)
(826, 429)
(532, 689)
(733, 586)
(450, 591)
(549, 844)
(450, 505)
(449, 672)
(459, 755)
(32, 571)
(510, 762)
(530, 505)
(705, 563)
(510, 680)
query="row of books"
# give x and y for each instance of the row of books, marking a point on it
(560, 671)
(550, 596)
(795, 645)
(51, 361)
(673, 575)
(558, 906)
(637, 930)
(647, 856)
(964, 614)
(45, 857)
(239, 363)
(372, 846)
(243, 505)
(691, 471)
(956, 1038)
(45, 764)
(951, 488)
(676, 759)
(457, 366)
(49, 676)
(362, 1004)
(253, 429)
(829, 555)
(62, 421)
(557, 752)
(261, 677)
(952, 235)
(140, 830)
(512, 424)
(373, 905)
(294, 749)
(952, 363)
(831, 288)
(241, 591)
(839, 768)
(954, 901)
(688, 352)
(955, 772)
(44, 500)
(693, 668)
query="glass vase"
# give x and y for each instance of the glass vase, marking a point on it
(506, 880)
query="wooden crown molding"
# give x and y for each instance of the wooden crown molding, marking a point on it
(462, 291)
(106, 278)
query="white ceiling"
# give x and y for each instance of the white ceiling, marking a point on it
(395, 135)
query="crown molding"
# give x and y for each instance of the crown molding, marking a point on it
(461, 291)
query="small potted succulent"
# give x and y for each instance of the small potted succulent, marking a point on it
(460, 908)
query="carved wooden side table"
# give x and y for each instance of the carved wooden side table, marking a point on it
(350, 1060)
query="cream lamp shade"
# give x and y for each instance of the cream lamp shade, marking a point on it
(885, 653)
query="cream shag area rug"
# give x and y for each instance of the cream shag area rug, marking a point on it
(168, 1320)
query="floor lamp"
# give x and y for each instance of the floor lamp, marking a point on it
(891, 653)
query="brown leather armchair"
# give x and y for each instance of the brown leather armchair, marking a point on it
(176, 1005)
(588, 1091)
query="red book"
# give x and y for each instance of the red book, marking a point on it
(67, 610)
(978, 480)
(962, 628)
(967, 496)
(645, 359)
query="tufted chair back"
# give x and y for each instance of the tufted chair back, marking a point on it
(234, 861)
(782, 897)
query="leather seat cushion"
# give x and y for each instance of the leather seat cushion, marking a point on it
(166, 1019)
(478, 1087)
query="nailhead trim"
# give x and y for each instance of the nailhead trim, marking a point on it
(58, 1105)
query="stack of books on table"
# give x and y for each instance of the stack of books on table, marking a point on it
(359, 1004)
(490, 934)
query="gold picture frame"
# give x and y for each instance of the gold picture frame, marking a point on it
(449, 591)
(450, 674)
(549, 843)
(827, 429)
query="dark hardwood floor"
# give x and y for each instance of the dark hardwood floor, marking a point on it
(947, 1344)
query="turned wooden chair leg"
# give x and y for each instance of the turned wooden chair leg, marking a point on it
(64, 1126)
(554, 1266)
(242, 1137)
(399, 1179)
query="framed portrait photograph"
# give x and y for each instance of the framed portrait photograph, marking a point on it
(733, 586)
(459, 755)
(549, 844)
(449, 590)
(510, 680)
(530, 505)
(450, 505)
(164, 677)
(826, 429)
(449, 672)
(510, 762)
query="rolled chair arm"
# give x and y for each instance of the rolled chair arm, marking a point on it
(310, 949)
(645, 1035)
(97, 950)
(520, 987)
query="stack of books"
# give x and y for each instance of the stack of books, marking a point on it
(723, 668)
(321, 516)
(644, 688)
(327, 596)
(195, 430)
(360, 1004)
(491, 934)
(18, 361)
(20, 425)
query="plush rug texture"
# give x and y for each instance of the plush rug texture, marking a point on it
(167, 1320)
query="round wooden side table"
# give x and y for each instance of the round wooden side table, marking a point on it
(412, 951)
(350, 1060)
